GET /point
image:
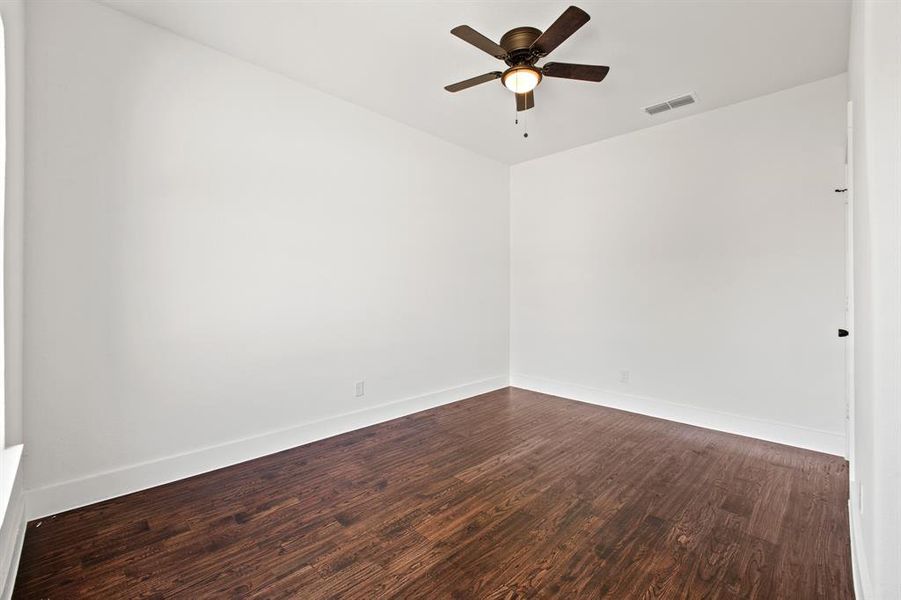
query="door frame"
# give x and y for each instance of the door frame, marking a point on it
(849, 293)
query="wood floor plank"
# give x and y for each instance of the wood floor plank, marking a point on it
(512, 494)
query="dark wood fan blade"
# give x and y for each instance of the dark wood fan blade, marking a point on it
(468, 83)
(525, 101)
(468, 34)
(565, 25)
(571, 71)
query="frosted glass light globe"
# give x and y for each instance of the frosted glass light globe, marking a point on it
(520, 80)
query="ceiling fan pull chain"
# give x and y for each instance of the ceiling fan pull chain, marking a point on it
(525, 126)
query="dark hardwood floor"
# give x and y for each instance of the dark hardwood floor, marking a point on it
(512, 494)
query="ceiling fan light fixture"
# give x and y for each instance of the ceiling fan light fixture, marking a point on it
(522, 47)
(522, 79)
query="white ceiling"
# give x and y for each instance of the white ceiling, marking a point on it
(395, 57)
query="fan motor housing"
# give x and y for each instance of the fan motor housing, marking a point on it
(517, 42)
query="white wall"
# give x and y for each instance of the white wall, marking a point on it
(13, 14)
(875, 78)
(215, 252)
(12, 513)
(705, 256)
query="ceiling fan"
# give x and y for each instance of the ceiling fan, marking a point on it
(521, 48)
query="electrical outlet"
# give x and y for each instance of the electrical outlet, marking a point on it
(361, 388)
(625, 376)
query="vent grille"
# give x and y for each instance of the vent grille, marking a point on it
(681, 101)
(671, 104)
(657, 108)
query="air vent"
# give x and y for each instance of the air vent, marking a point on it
(681, 101)
(671, 104)
(657, 108)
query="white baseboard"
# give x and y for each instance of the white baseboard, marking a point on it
(862, 587)
(12, 530)
(10, 582)
(67, 495)
(772, 431)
